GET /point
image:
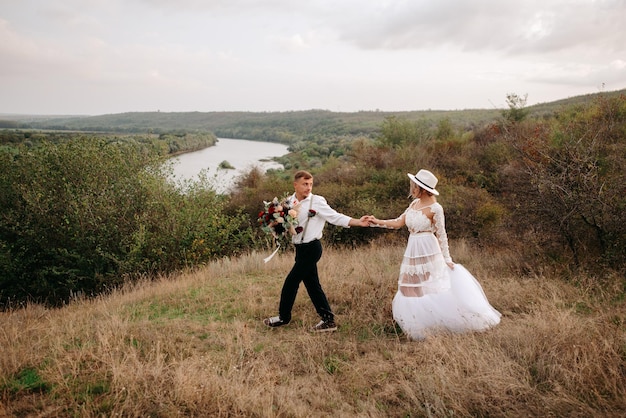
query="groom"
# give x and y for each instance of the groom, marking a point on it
(313, 214)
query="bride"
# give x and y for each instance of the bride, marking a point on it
(434, 294)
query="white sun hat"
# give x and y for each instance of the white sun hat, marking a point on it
(426, 180)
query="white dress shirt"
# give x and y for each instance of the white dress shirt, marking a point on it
(314, 225)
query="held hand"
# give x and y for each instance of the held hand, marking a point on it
(364, 221)
(451, 265)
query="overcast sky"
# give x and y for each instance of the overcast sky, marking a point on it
(111, 56)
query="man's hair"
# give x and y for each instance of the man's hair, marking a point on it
(302, 174)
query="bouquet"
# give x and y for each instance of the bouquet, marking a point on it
(280, 219)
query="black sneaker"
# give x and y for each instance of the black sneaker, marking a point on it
(274, 322)
(325, 326)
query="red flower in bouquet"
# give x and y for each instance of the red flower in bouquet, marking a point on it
(280, 217)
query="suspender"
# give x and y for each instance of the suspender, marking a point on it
(307, 220)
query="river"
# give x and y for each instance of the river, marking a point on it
(240, 153)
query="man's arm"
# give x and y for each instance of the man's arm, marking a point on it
(363, 221)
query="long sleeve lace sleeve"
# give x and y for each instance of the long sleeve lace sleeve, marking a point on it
(440, 231)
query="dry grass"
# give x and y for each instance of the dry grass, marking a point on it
(194, 345)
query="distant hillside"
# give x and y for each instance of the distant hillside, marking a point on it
(285, 127)
(543, 109)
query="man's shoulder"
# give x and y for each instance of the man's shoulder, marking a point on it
(318, 198)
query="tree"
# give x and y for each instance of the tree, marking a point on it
(517, 110)
(396, 132)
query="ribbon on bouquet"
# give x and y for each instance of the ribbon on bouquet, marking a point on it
(268, 258)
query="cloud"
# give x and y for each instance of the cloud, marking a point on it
(24, 56)
(122, 55)
(292, 43)
(531, 26)
(13, 47)
(611, 75)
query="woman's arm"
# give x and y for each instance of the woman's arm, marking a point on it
(399, 222)
(440, 233)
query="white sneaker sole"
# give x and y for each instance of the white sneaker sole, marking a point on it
(324, 329)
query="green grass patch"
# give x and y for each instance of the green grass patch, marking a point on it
(28, 379)
(200, 304)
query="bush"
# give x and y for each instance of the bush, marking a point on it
(471, 212)
(576, 169)
(80, 214)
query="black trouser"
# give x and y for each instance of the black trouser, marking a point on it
(305, 270)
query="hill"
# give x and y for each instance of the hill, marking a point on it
(286, 127)
(533, 210)
(194, 345)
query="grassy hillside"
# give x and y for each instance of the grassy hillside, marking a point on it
(194, 345)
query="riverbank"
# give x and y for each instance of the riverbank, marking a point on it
(240, 154)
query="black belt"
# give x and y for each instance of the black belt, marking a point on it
(307, 243)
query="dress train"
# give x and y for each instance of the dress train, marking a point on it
(462, 308)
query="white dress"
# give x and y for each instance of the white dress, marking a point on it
(431, 297)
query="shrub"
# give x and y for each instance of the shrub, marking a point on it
(576, 167)
(471, 212)
(79, 214)
(396, 131)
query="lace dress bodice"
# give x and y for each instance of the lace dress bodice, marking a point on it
(417, 222)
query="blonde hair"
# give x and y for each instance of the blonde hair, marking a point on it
(421, 190)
